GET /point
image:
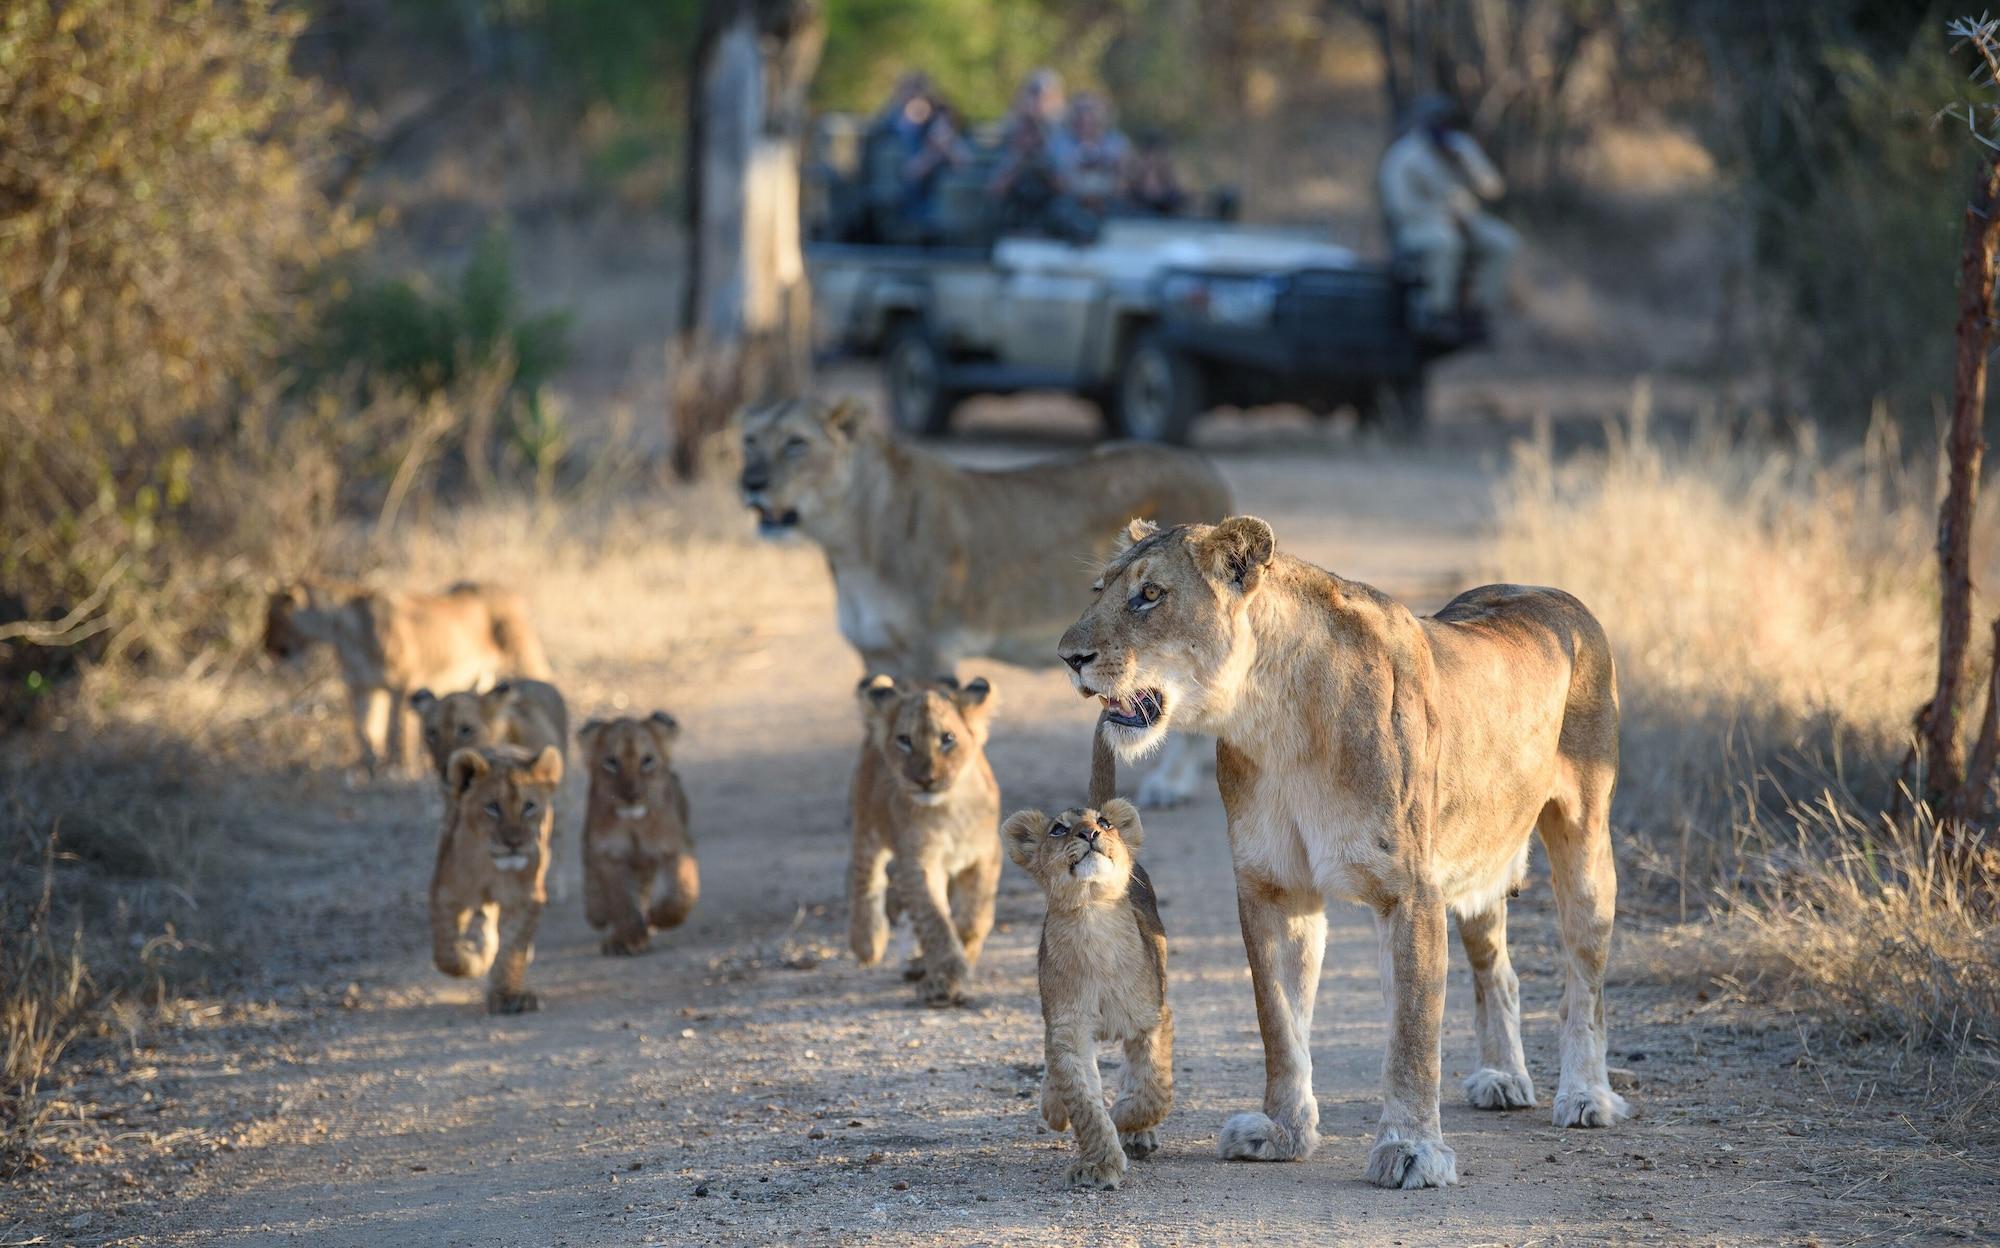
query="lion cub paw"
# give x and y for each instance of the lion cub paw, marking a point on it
(1589, 1107)
(624, 946)
(1139, 1145)
(913, 970)
(944, 984)
(1412, 1164)
(1254, 1137)
(1488, 1088)
(499, 1001)
(1099, 1176)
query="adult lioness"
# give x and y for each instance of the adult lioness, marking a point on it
(935, 563)
(1367, 753)
(390, 642)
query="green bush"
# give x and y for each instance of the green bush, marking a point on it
(402, 332)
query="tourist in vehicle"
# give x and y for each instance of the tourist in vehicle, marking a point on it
(1025, 182)
(1091, 165)
(1152, 186)
(941, 148)
(1435, 182)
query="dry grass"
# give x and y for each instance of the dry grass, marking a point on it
(1774, 617)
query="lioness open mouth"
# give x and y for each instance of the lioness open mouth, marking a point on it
(769, 521)
(1140, 710)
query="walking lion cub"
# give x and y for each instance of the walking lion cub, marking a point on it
(925, 811)
(1102, 970)
(492, 864)
(635, 832)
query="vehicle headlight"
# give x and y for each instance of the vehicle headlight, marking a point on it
(1239, 301)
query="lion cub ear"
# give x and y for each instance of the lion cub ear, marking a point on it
(1023, 831)
(1132, 534)
(876, 692)
(547, 768)
(976, 695)
(1124, 816)
(465, 767)
(422, 701)
(500, 697)
(1236, 552)
(843, 418)
(664, 727)
(589, 735)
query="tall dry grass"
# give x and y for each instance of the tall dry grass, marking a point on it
(1774, 618)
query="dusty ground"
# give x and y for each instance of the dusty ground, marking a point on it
(746, 1083)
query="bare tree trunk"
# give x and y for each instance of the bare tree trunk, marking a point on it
(746, 314)
(1938, 722)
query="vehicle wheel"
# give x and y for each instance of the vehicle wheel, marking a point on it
(1160, 392)
(913, 370)
(1401, 408)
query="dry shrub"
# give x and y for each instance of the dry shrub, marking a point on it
(1774, 619)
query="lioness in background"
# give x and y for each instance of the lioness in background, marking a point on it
(1366, 753)
(935, 563)
(390, 642)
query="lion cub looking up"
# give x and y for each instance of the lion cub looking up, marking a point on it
(492, 861)
(635, 832)
(1102, 969)
(925, 808)
(527, 713)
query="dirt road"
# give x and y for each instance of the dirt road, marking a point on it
(747, 1083)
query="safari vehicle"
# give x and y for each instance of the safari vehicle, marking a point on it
(1156, 320)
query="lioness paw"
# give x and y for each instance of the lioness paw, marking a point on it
(1412, 1164)
(1100, 1176)
(1139, 1145)
(1589, 1107)
(1054, 1112)
(1488, 1088)
(499, 1001)
(1254, 1137)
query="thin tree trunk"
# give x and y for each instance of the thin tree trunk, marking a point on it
(745, 327)
(1938, 723)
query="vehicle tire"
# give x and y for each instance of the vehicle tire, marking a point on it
(1160, 392)
(913, 373)
(1401, 408)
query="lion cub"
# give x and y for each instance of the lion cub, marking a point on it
(635, 832)
(492, 861)
(925, 809)
(1102, 969)
(527, 713)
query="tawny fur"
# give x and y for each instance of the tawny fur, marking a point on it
(389, 643)
(640, 872)
(1363, 752)
(1102, 971)
(926, 818)
(523, 712)
(934, 564)
(488, 888)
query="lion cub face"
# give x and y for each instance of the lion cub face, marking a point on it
(629, 759)
(796, 457)
(456, 721)
(503, 797)
(928, 734)
(1167, 636)
(1081, 857)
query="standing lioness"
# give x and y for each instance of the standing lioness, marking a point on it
(1366, 753)
(935, 563)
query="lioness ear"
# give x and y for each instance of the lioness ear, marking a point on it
(547, 767)
(587, 736)
(1134, 533)
(1023, 830)
(665, 728)
(465, 767)
(1236, 551)
(843, 418)
(1124, 816)
(422, 701)
(876, 691)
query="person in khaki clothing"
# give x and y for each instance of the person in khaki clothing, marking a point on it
(1435, 183)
